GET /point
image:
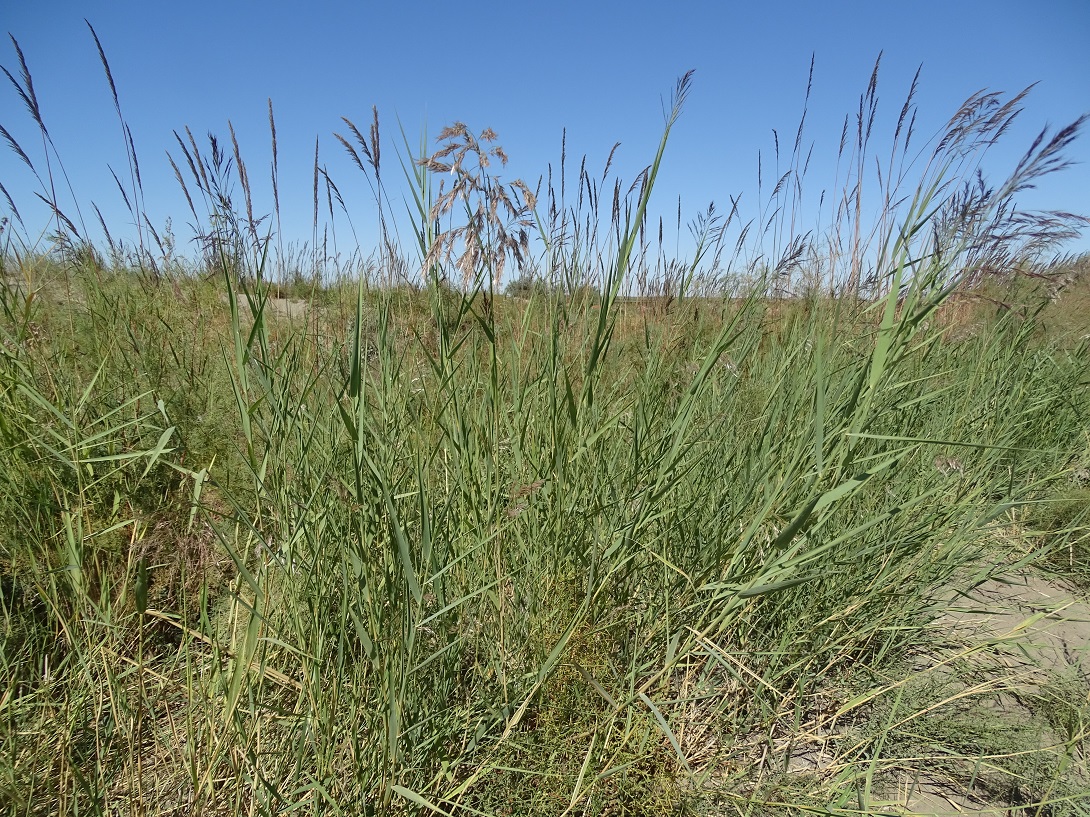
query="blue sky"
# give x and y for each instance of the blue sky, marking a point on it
(603, 70)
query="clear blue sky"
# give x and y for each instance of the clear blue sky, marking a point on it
(603, 70)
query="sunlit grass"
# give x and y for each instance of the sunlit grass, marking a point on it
(435, 548)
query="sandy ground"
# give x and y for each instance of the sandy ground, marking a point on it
(1041, 631)
(280, 307)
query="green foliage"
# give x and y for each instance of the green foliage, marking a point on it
(449, 551)
(423, 567)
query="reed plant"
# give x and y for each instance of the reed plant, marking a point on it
(470, 554)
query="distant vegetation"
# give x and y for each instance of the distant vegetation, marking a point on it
(281, 535)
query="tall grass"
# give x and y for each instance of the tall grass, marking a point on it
(479, 555)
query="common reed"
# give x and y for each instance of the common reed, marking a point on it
(440, 550)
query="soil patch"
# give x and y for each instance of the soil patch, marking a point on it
(1040, 630)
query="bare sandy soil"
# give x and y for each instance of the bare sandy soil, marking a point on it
(280, 307)
(1033, 631)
